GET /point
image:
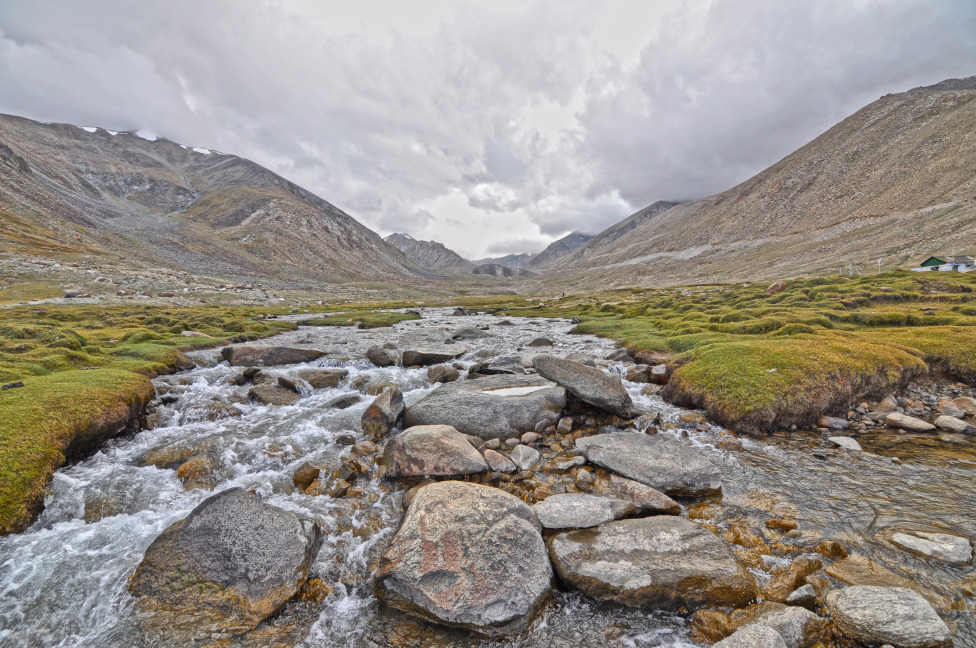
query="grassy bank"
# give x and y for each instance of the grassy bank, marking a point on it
(86, 373)
(756, 360)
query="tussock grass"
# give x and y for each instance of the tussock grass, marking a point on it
(86, 370)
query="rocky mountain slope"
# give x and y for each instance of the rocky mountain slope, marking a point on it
(430, 255)
(509, 260)
(66, 189)
(893, 182)
(558, 249)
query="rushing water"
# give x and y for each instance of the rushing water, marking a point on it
(63, 582)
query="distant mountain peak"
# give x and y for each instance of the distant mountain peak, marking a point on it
(430, 255)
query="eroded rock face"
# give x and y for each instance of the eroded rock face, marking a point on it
(432, 451)
(657, 461)
(468, 556)
(492, 407)
(231, 563)
(259, 355)
(887, 615)
(664, 562)
(590, 385)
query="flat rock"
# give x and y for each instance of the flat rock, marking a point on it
(468, 556)
(432, 355)
(383, 413)
(593, 386)
(657, 461)
(953, 424)
(944, 547)
(503, 365)
(493, 407)
(432, 451)
(525, 458)
(662, 562)
(469, 333)
(232, 562)
(272, 394)
(381, 357)
(909, 423)
(847, 443)
(887, 615)
(580, 511)
(649, 501)
(754, 636)
(259, 355)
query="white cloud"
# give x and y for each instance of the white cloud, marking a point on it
(481, 124)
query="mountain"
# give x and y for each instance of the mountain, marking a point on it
(501, 271)
(614, 232)
(893, 182)
(429, 255)
(558, 249)
(66, 189)
(509, 261)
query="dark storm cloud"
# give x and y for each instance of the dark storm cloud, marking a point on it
(486, 125)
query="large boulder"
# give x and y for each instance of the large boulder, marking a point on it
(231, 563)
(381, 357)
(658, 461)
(323, 378)
(383, 413)
(580, 511)
(426, 356)
(272, 394)
(260, 355)
(432, 451)
(493, 407)
(887, 615)
(662, 561)
(468, 556)
(590, 385)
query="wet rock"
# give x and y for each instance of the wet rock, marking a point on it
(231, 563)
(323, 378)
(250, 355)
(892, 615)
(442, 374)
(565, 425)
(859, 570)
(754, 636)
(909, 423)
(639, 374)
(663, 562)
(833, 423)
(490, 407)
(659, 374)
(432, 451)
(948, 408)
(467, 556)
(943, 547)
(784, 580)
(197, 472)
(499, 462)
(804, 596)
(620, 355)
(525, 458)
(590, 385)
(272, 394)
(966, 404)
(504, 365)
(580, 511)
(381, 357)
(432, 355)
(710, 626)
(344, 400)
(365, 448)
(847, 443)
(955, 425)
(305, 475)
(798, 627)
(657, 461)
(173, 454)
(470, 333)
(383, 413)
(540, 342)
(649, 501)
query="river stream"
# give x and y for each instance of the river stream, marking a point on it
(63, 582)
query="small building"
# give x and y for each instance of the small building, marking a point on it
(948, 263)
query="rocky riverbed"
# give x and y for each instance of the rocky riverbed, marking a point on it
(513, 485)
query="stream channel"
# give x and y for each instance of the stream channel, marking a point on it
(63, 582)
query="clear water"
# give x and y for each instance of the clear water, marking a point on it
(63, 582)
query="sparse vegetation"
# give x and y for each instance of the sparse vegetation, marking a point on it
(366, 320)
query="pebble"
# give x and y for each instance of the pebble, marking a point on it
(584, 480)
(493, 444)
(530, 437)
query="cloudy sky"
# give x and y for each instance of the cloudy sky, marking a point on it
(492, 126)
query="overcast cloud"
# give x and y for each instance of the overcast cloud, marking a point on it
(491, 126)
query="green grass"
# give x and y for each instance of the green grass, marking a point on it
(755, 361)
(85, 368)
(367, 320)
